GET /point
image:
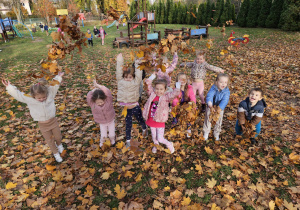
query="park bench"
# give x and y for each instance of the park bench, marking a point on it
(197, 33)
(184, 32)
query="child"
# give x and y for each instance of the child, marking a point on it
(251, 109)
(42, 109)
(156, 110)
(218, 95)
(101, 102)
(96, 31)
(128, 95)
(102, 34)
(41, 27)
(46, 29)
(169, 69)
(198, 73)
(186, 95)
(89, 36)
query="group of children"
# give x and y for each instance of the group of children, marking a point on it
(98, 33)
(156, 110)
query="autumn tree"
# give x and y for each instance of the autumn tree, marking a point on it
(264, 12)
(45, 9)
(73, 9)
(254, 10)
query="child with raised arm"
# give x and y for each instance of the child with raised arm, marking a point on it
(156, 110)
(218, 95)
(101, 102)
(129, 82)
(252, 110)
(198, 73)
(42, 109)
(169, 69)
(186, 95)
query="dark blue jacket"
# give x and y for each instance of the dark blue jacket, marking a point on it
(253, 114)
(218, 98)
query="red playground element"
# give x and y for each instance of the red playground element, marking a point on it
(141, 20)
(236, 41)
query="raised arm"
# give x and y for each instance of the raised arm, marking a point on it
(149, 84)
(171, 95)
(53, 89)
(173, 64)
(138, 72)
(214, 68)
(119, 70)
(18, 95)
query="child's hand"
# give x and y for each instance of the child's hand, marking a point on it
(61, 74)
(5, 82)
(222, 71)
(178, 85)
(96, 85)
(210, 105)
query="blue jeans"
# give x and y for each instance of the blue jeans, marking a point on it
(238, 128)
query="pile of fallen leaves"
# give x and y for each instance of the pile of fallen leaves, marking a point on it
(248, 130)
(214, 114)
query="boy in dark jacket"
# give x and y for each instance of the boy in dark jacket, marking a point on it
(252, 110)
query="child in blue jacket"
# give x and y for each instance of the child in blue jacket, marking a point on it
(252, 110)
(217, 95)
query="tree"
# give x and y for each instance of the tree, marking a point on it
(162, 13)
(232, 16)
(264, 12)
(179, 13)
(188, 14)
(290, 18)
(213, 10)
(226, 13)
(171, 12)
(242, 16)
(199, 15)
(73, 9)
(208, 12)
(167, 11)
(45, 9)
(254, 10)
(274, 16)
(203, 15)
(175, 13)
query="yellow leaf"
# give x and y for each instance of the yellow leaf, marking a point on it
(167, 188)
(285, 132)
(286, 183)
(120, 145)
(53, 82)
(140, 54)
(215, 207)
(138, 178)
(62, 107)
(272, 205)
(128, 174)
(208, 150)
(131, 55)
(30, 190)
(186, 201)
(157, 204)
(57, 176)
(10, 185)
(274, 112)
(211, 183)
(154, 183)
(199, 169)
(124, 112)
(105, 175)
(120, 193)
(178, 159)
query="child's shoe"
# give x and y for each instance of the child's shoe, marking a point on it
(189, 134)
(205, 136)
(145, 132)
(154, 150)
(113, 141)
(60, 148)
(253, 141)
(127, 143)
(58, 158)
(217, 137)
(203, 108)
(171, 148)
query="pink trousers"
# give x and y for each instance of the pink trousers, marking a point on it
(200, 87)
(110, 127)
(158, 136)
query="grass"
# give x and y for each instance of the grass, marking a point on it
(21, 56)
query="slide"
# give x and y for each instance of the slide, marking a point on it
(113, 23)
(17, 31)
(141, 20)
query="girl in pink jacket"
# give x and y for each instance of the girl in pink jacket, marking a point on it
(156, 110)
(186, 95)
(101, 102)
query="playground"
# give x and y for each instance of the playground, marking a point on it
(226, 174)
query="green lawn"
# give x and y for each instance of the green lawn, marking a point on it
(230, 174)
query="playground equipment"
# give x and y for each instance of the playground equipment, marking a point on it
(236, 41)
(7, 26)
(197, 33)
(184, 32)
(113, 23)
(17, 31)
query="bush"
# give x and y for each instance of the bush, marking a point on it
(274, 16)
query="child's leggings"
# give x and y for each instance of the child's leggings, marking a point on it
(158, 136)
(137, 112)
(239, 131)
(90, 42)
(110, 127)
(200, 87)
(51, 133)
(207, 124)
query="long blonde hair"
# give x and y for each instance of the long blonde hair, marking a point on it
(186, 87)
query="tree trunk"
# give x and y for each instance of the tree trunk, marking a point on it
(17, 9)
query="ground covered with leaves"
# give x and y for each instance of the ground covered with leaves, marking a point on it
(229, 174)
